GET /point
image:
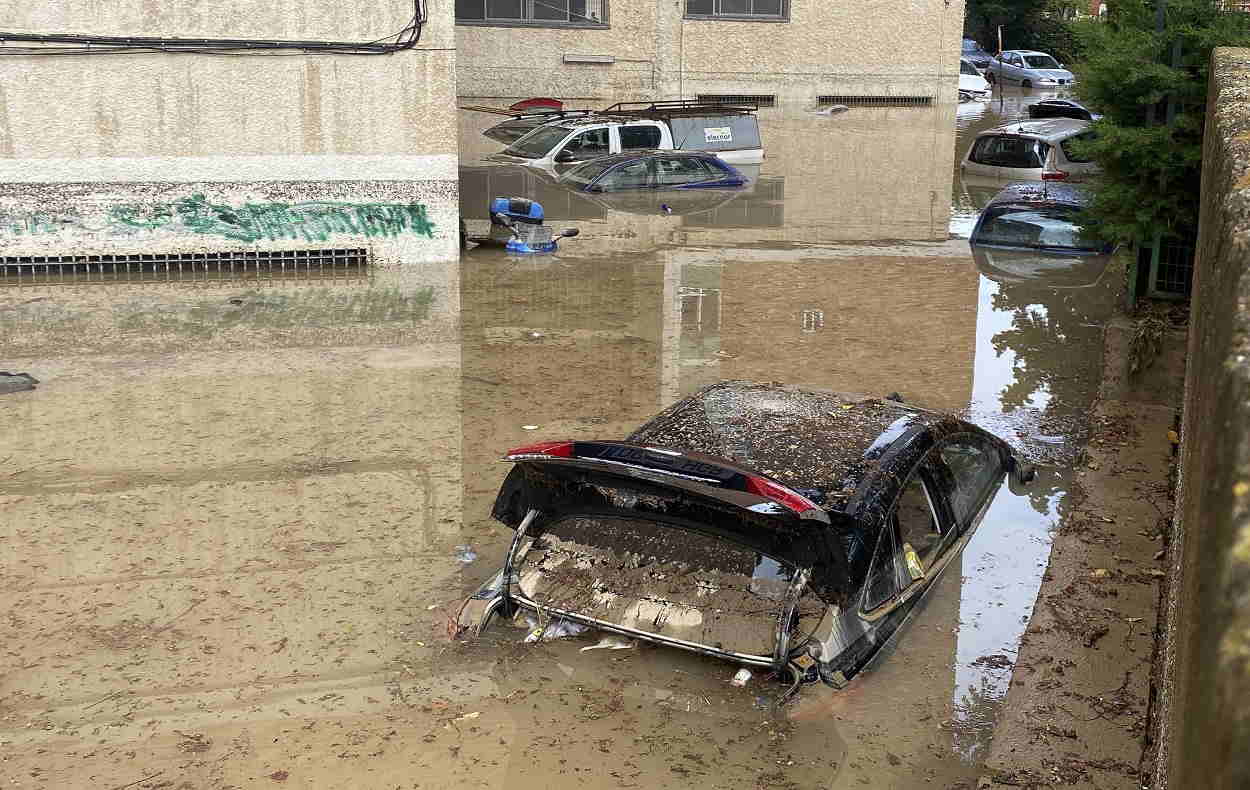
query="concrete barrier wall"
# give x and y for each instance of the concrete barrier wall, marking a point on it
(1205, 713)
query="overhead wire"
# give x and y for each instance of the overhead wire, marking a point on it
(87, 44)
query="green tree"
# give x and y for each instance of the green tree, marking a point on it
(1151, 171)
(1026, 24)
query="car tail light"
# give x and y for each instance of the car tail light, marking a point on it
(762, 486)
(1054, 175)
(541, 450)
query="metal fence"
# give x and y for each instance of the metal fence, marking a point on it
(225, 267)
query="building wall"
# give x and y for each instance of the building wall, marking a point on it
(1205, 698)
(896, 47)
(109, 154)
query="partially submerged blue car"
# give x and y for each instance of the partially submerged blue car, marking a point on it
(653, 170)
(765, 525)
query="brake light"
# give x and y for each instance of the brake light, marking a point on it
(792, 500)
(541, 450)
(1054, 175)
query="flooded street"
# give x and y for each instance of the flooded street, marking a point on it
(237, 511)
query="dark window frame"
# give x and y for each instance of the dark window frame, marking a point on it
(721, 16)
(529, 20)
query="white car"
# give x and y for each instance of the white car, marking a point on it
(971, 84)
(1030, 151)
(1029, 69)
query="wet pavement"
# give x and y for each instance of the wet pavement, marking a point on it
(233, 509)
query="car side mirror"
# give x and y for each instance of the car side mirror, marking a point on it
(569, 233)
(566, 156)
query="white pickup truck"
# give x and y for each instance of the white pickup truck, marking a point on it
(730, 132)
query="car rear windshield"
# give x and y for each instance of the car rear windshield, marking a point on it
(1004, 150)
(1050, 227)
(1069, 150)
(539, 142)
(664, 580)
(1040, 62)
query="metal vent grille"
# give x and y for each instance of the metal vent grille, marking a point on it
(738, 98)
(320, 264)
(877, 101)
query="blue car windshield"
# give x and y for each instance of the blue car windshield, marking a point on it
(1040, 62)
(1049, 227)
(585, 174)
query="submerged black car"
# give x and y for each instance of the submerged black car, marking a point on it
(765, 525)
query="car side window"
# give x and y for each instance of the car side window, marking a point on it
(682, 170)
(976, 468)
(981, 151)
(882, 582)
(919, 530)
(639, 137)
(589, 144)
(627, 176)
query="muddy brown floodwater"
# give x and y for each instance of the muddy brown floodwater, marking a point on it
(235, 513)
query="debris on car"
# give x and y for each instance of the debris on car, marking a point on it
(16, 382)
(776, 528)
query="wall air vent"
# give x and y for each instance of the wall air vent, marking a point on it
(224, 267)
(876, 101)
(738, 98)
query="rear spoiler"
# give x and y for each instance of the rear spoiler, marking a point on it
(695, 468)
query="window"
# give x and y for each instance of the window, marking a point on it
(882, 582)
(588, 144)
(976, 469)
(630, 176)
(917, 523)
(539, 142)
(738, 9)
(1009, 151)
(1052, 226)
(639, 137)
(813, 320)
(676, 172)
(1040, 62)
(532, 12)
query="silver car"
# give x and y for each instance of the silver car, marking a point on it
(1029, 69)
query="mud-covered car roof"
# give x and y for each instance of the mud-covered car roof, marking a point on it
(808, 440)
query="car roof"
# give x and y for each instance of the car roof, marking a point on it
(648, 153)
(805, 439)
(1041, 193)
(1024, 52)
(1049, 129)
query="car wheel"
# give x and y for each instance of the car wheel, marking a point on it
(1026, 83)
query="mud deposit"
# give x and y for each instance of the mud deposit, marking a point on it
(231, 536)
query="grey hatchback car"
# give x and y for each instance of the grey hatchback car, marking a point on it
(764, 525)
(1029, 69)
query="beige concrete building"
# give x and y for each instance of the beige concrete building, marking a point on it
(292, 134)
(787, 50)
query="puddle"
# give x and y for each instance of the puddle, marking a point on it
(317, 457)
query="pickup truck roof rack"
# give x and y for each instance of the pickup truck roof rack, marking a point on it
(549, 114)
(681, 107)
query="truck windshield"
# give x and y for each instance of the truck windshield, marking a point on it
(539, 142)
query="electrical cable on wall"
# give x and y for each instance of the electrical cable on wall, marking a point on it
(86, 44)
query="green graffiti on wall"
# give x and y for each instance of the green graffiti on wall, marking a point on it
(249, 222)
(312, 221)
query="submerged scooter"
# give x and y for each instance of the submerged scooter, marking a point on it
(517, 225)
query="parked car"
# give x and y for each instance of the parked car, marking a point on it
(1062, 108)
(1036, 232)
(653, 170)
(973, 52)
(971, 84)
(731, 133)
(764, 525)
(1031, 151)
(1028, 68)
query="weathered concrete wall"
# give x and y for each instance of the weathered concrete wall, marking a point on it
(1206, 696)
(894, 47)
(145, 132)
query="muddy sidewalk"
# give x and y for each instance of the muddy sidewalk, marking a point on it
(1076, 714)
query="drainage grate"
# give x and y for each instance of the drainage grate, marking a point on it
(737, 98)
(185, 267)
(877, 101)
